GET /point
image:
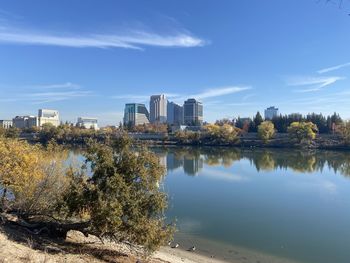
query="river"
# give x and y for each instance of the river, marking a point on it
(256, 205)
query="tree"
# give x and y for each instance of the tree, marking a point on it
(31, 178)
(302, 132)
(122, 198)
(225, 134)
(344, 131)
(120, 201)
(258, 119)
(266, 130)
(12, 132)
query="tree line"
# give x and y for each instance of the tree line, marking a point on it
(325, 124)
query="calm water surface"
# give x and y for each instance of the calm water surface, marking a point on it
(291, 204)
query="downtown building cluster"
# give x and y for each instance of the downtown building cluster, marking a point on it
(162, 111)
(45, 116)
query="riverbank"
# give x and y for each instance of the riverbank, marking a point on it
(251, 140)
(18, 246)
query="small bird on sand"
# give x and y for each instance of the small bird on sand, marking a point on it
(176, 245)
(192, 248)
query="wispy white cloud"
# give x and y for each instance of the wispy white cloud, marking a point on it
(46, 97)
(217, 92)
(313, 83)
(325, 70)
(67, 85)
(41, 94)
(206, 94)
(133, 39)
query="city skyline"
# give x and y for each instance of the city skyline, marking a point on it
(292, 55)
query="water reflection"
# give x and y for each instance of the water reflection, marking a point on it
(192, 159)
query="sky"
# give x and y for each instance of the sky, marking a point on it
(90, 57)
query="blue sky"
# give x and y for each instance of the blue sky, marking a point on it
(88, 58)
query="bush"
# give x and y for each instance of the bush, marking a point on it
(302, 132)
(344, 131)
(225, 134)
(266, 130)
(120, 201)
(31, 177)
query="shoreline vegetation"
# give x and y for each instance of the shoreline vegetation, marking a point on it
(313, 131)
(121, 201)
(302, 135)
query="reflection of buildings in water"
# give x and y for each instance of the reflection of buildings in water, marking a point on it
(192, 160)
(173, 162)
(193, 164)
(163, 161)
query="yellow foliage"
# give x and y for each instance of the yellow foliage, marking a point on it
(32, 175)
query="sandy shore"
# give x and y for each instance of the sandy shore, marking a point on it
(213, 252)
(16, 246)
(168, 254)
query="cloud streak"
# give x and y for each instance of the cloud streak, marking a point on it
(325, 70)
(218, 92)
(41, 94)
(210, 93)
(132, 39)
(314, 83)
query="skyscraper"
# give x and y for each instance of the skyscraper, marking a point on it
(193, 112)
(271, 112)
(174, 114)
(135, 114)
(158, 109)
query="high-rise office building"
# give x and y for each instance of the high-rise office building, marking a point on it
(158, 109)
(271, 112)
(87, 123)
(135, 114)
(193, 112)
(48, 116)
(174, 114)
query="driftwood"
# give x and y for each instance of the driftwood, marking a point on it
(53, 229)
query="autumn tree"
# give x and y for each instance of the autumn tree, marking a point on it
(31, 178)
(120, 201)
(344, 131)
(225, 134)
(302, 132)
(266, 130)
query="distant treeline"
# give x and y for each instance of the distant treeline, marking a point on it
(325, 124)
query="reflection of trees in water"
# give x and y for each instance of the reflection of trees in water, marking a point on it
(192, 159)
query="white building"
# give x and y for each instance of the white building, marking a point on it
(6, 124)
(271, 112)
(87, 123)
(23, 122)
(158, 109)
(48, 116)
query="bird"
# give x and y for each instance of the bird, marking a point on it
(192, 248)
(176, 245)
